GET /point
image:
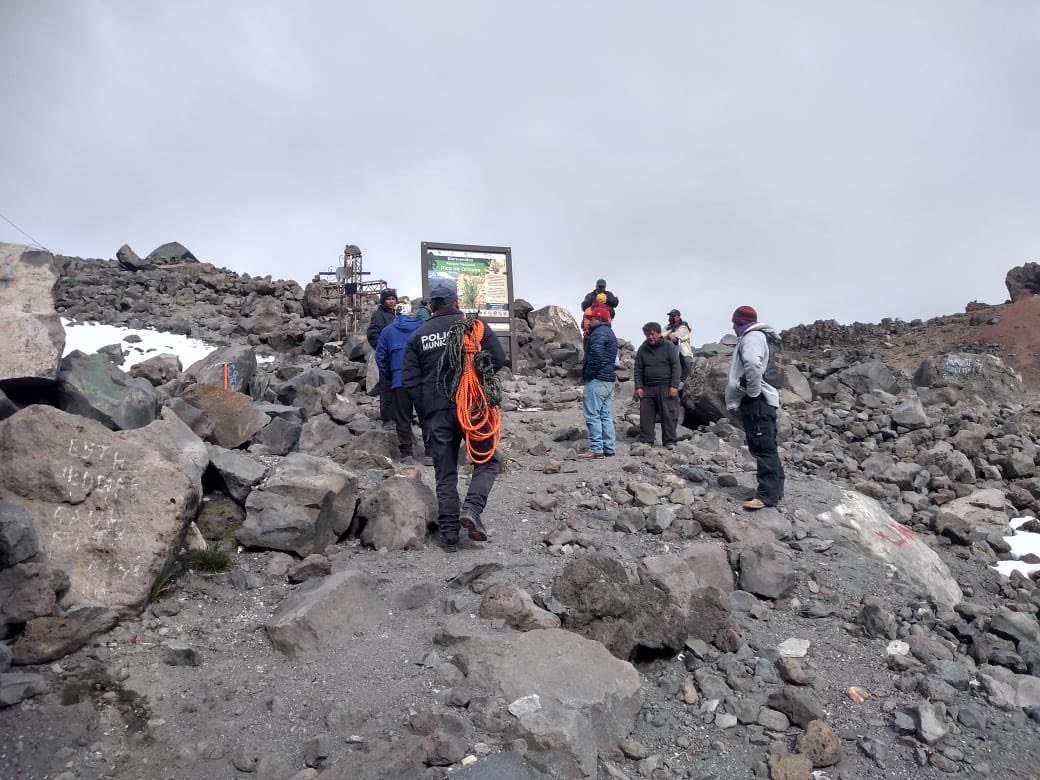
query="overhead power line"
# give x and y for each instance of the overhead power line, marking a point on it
(35, 242)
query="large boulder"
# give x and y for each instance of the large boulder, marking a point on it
(238, 362)
(109, 508)
(631, 618)
(235, 419)
(973, 374)
(18, 540)
(987, 510)
(92, 386)
(869, 376)
(302, 507)
(32, 338)
(397, 513)
(554, 324)
(703, 396)
(584, 699)
(874, 531)
(1023, 280)
(171, 253)
(324, 614)
(178, 444)
(316, 303)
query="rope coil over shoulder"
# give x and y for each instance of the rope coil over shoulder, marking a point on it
(473, 387)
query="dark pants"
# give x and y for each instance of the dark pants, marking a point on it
(402, 414)
(760, 427)
(686, 364)
(655, 404)
(386, 401)
(446, 436)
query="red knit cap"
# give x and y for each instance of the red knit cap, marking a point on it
(744, 315)
(601, 312)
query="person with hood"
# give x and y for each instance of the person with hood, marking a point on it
(390, 361)
(381, 317)
(597, 369)
(656, 379)
(678, 332)
(427, 380)
(611, 300)
(758, 401)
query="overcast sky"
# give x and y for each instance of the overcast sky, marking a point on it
(813, 159)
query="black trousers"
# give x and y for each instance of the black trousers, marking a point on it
(386, 401)
(656, 405)
(759, 420)
(446, 436)
(402, 416)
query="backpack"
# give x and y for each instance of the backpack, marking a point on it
(774, 373)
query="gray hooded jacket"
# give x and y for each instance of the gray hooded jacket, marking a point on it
(748, 364)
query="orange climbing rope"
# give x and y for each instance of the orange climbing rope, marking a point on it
(479, 418)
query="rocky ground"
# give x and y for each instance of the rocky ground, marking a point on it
(874, 641)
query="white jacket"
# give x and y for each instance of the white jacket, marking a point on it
(748, 364)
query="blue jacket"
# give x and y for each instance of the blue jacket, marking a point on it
(391, 344)
(600, 354)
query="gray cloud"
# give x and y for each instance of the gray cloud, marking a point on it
(814, 160)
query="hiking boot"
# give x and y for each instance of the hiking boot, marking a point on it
(450, 544)
(608, 453)
(473, 526)
(754, 504)
(407, 460)
(590, 455)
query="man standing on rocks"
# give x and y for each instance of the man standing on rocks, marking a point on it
(390, 360)
(597, 369)
(381, 317)
(428, 380)
(678, 332)
(656, 378)
(758, 401)
(611, 300)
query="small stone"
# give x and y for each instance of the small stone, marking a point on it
(688, 691)
(725, 720)
(821, 744)
(633, 749)
(525, 705)
(793, 648)
(856, 694)
(897, 647)
(792, 672)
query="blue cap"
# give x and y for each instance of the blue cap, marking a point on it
(442, 294)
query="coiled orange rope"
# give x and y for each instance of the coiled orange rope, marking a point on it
(479, 418)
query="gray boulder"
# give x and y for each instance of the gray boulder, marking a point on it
(1023, 281)
(238, 472)
(171, 253)
(874, 531)
(703, 396)
(586, 697)
(868, 377)
(235, 419)
(972, 374)
(240, 363)
(91, 386)
(18, 541)
(302, 506)
(910, 413)
(109, 508)
(178, 444)
(32, 338)
(19, 686)
(765, 574)
(397, 513)
(49, 638)
(157, 370)
(324, 614)
(554, 324)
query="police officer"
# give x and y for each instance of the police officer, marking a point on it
(423, 377)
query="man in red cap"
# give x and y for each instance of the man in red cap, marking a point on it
(748, 391)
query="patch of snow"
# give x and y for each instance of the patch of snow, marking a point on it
(88, 337)
(1022, 543)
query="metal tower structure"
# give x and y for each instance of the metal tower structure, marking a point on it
(347, 284)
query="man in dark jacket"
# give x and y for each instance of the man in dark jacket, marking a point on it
(381, 317)
(426, 379)
(597, 369)
(611, 300)
(656, 378)
(390, 360)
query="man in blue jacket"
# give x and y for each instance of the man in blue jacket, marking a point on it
(597, 369)
(390, 360)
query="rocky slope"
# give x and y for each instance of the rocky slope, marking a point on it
(626, 619)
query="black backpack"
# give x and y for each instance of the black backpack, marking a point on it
(774, 373)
